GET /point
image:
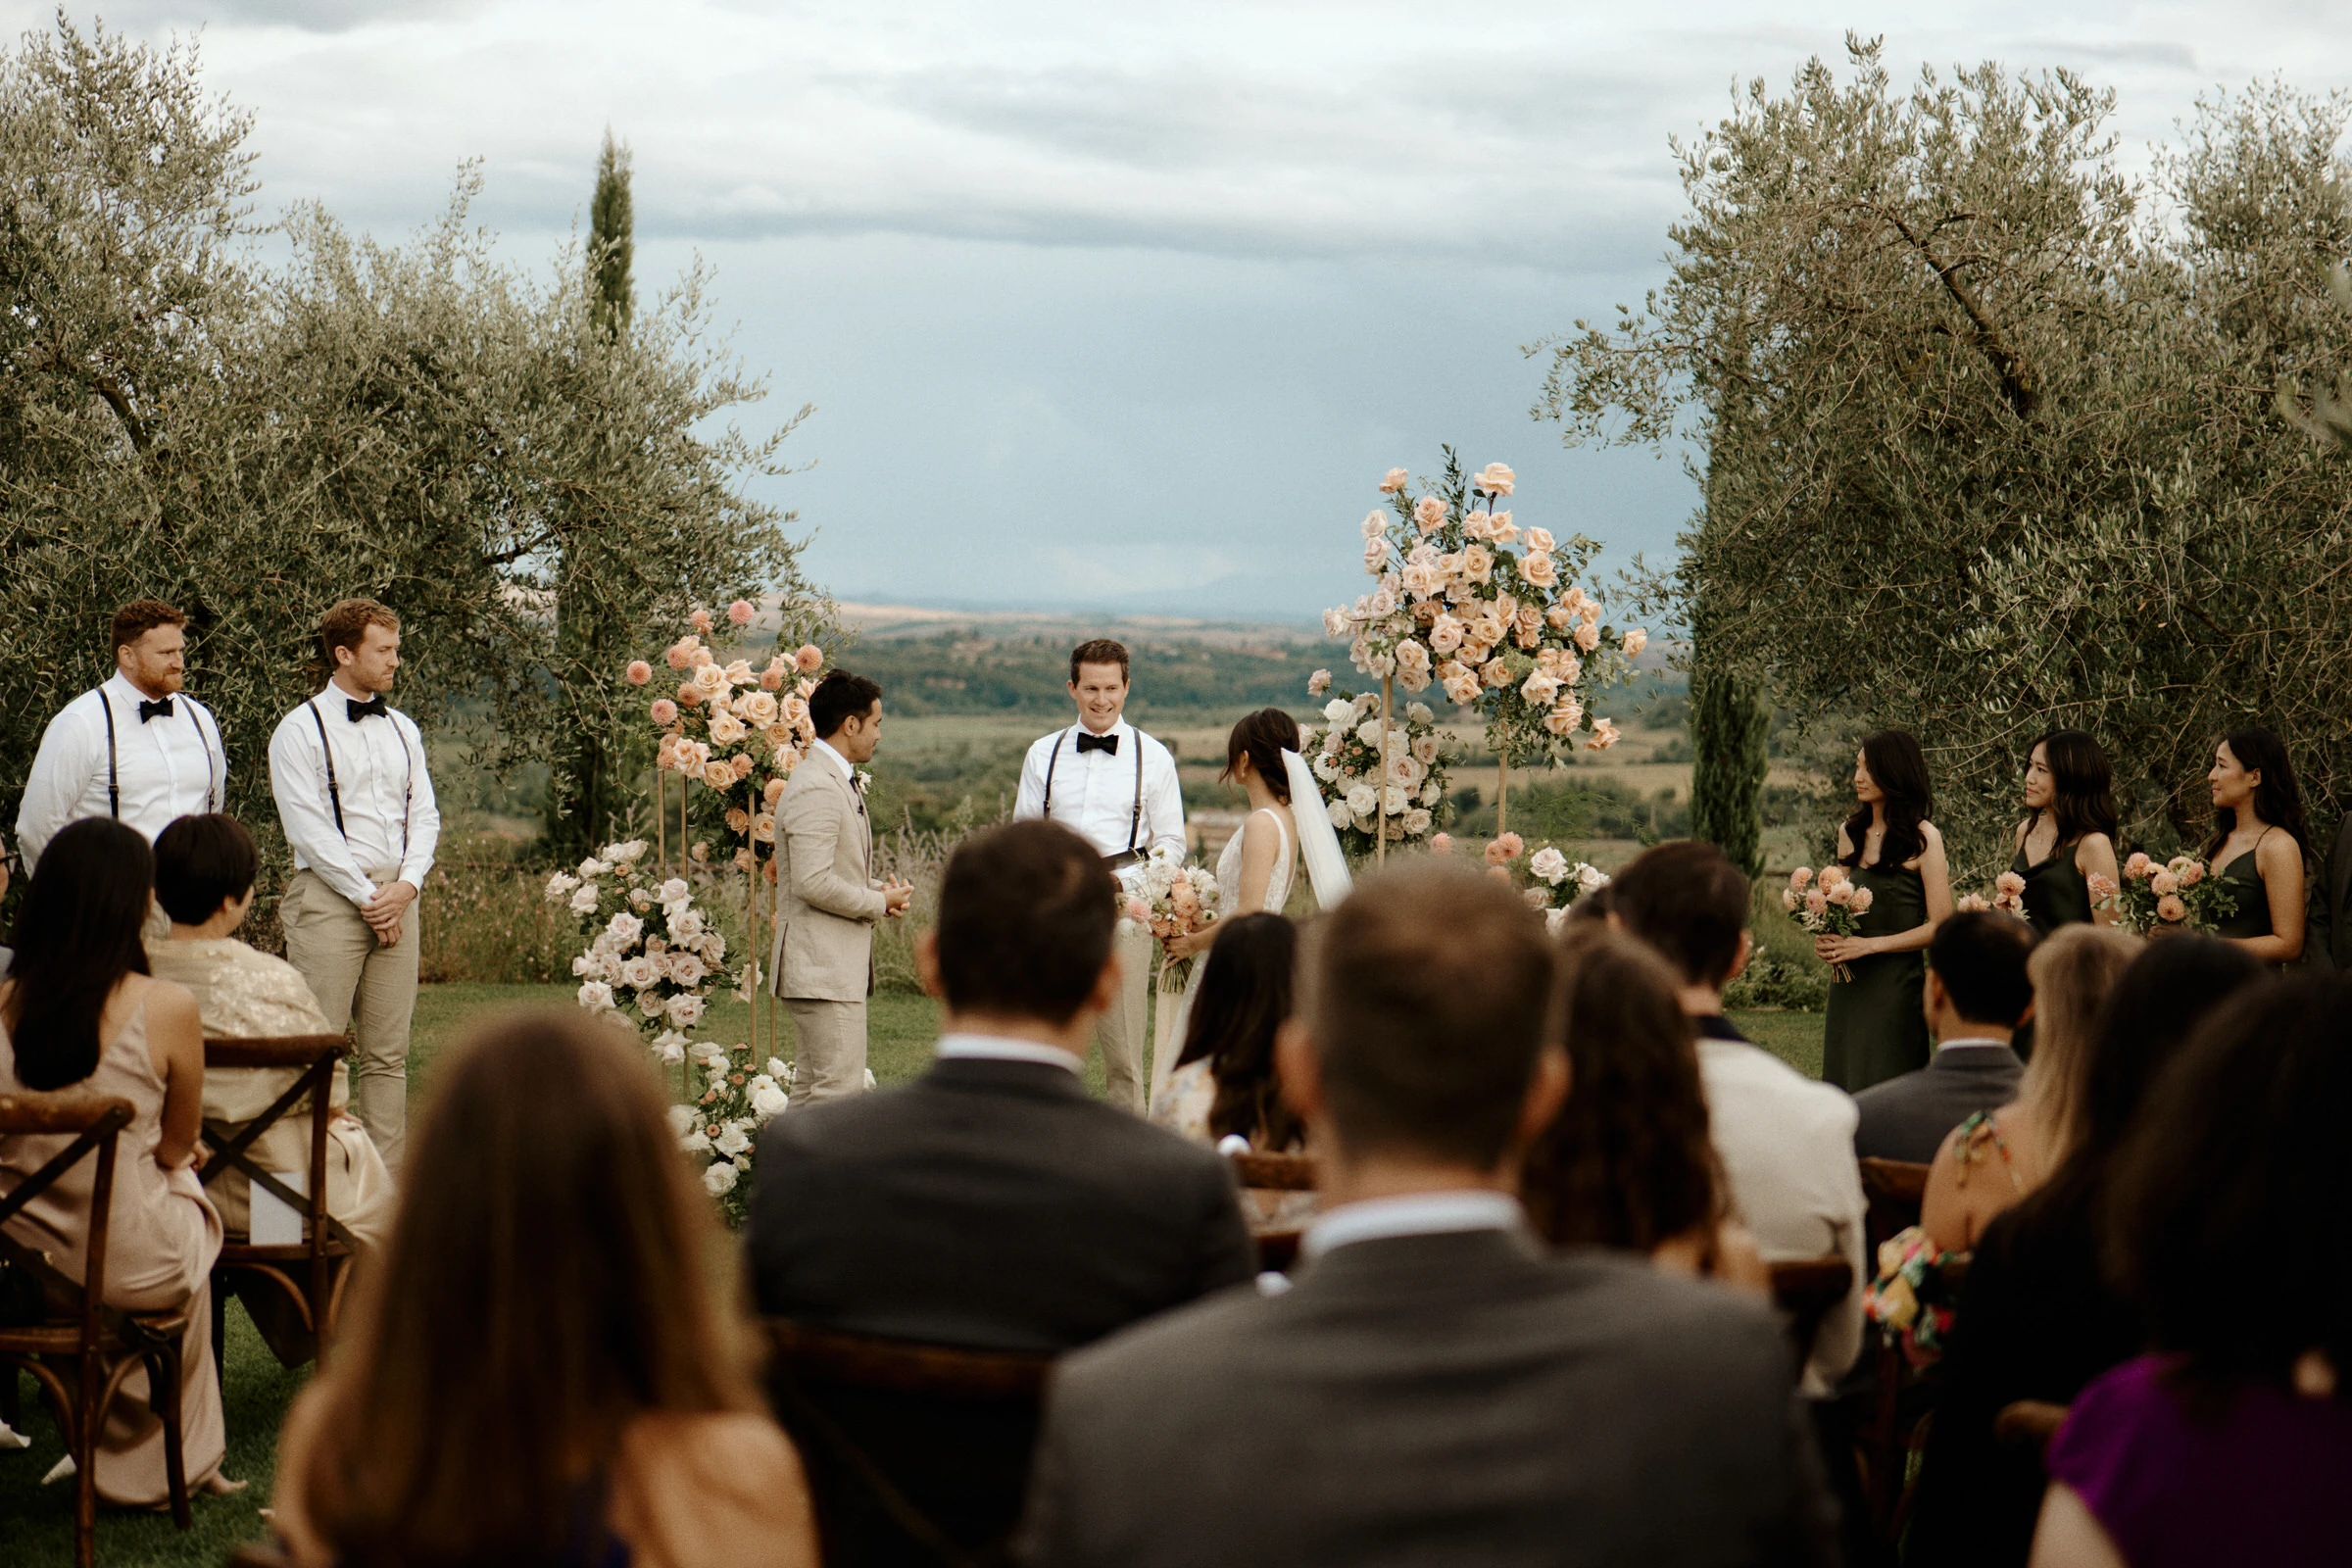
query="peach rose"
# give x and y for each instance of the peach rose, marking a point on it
(1440, 844)
(742, 765)
(1604, 735)
(1540, 689)
(1635, 641)
(718, 773)
(773, 792)
(1863, 897)
(740, 613)
(1816, 901)
(711, 680)
(1444, 633)
(2009, 884)
(1496, 479)
(1538, 538)
(2164, 882)
(2171, 910)
(763, 828)
(1502, 530)
(807, 659)
(1538, 568)
(701, 620)
(787, 758)
(1478, 563)
(1461, 689)
(1428, 512)
(1497, 674)
(2191, 874)
(1478, 526)
(739, 821)
(1392, 481)
(690, 695)
(664, 710)
(2136, 866)
(725, 728)
(1587, 636)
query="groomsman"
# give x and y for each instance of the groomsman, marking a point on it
(137, 749)
(1116, 787)
(824, 954)
(349, 774)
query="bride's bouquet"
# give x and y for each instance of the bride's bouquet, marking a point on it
(1829, 904)
(1171, 898)
(2165, 894)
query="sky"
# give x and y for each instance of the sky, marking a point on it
(1127, 308)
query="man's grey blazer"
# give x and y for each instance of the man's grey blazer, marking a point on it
(1907, 1116)
(1437, 1399)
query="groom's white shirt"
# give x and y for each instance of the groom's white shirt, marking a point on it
(1094, 792)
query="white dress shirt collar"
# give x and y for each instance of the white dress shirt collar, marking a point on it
(119, 686)
(1121, 728)
(1971, 1043)
(1469, 1208)
(848, 769)
(1005, 1048)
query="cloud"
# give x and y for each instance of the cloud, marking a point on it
(308, 16)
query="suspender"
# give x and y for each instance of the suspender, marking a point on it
(334, 795)
(114, 776)
(1135, 817)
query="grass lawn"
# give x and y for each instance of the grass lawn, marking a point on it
(36, 1522)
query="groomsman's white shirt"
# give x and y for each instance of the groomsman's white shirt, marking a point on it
(389, 817)
(164, 768)
(1093, 794)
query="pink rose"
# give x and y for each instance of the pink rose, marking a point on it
(1537, 898)
(701, 620)
(1513, 845)
(2171, 910)
(1788, 900)
(2009, 884)
(2102, 888)
(1817, 902)
(1801, 878)
(2164, 882)
(665, 712)
(1440, 844)
(1861, 901)
(1138, 911)
(1392, 481)
(1587, 636)
(1501, 874)
(740, 613)
(808, 658)
(2136, 866)
(640, 672)
(2191, 874)
(1842, 893)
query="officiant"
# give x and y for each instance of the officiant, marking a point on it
(1116, 787)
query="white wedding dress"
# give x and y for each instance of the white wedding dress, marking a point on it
(1168, 1044)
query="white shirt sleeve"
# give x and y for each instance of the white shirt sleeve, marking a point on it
(72, 751)
(298, 782)
(1029, 799)
(424, 814)
(1163, 800)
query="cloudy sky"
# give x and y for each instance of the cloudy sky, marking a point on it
(1127, 307)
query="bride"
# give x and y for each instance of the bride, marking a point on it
(1254, 872)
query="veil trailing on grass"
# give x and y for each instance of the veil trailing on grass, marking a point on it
(1318, 841)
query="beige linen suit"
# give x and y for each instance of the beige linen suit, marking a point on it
(823, 962)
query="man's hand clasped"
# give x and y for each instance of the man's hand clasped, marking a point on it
(896, 896)
(384, 912)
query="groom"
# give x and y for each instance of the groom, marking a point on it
(1116, 787)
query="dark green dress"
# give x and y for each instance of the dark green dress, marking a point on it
(1874, 1030)
(2252, 916)
(2056, 890)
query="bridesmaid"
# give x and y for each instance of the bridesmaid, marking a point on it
(2069, 833)
(1874, 1030)
(2259, 844)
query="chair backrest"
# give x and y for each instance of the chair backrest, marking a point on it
(94, 1122)
(1806, 1289)
(1895, 1190)
(914, 1451)
(1275, 1173)
(316, 1056)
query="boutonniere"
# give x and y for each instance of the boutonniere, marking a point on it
(861, 779)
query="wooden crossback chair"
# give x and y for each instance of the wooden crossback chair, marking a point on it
(1894, 1433)
(1807, 1289)
(915, 1454)
(1895, 1190)
(1277, 1249)
(87, 1333)
(313, 1272)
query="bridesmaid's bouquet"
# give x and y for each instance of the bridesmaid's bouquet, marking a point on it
(1170, 898)
(2008, 896)
(1827, 903)
(2165, 894)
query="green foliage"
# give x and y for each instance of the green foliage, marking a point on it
(963, 673)
(1729, 723)
(1990, 428)
(1567, 811)
(418, 424)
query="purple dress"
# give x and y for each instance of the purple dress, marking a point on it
(2264, 1483)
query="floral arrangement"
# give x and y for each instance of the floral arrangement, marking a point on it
(1173, 899)
(2179, 893)
(2008, 896)
(1489, 612)
(723, 1121)
(1829, 903)
(737, 731)
(1343, 754)
(1544, 877)
(651, 952)
(1911, 1300)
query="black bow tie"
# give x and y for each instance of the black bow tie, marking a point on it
(161, 710)
(375, 704)
(1097, 742)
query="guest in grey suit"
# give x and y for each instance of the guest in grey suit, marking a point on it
(1976, 994)
(1436, 1390)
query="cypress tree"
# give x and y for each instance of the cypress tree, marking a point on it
(612, 241)
(1730, 725)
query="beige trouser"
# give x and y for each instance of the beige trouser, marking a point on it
(363, 986)
(1126, 1028)
(831, 1054)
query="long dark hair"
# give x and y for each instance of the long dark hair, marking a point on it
(1627, 1162)
(1899, 768)
(76, 936)
(1245, 996)
(554, 1273)
(2081, 785)
(2278, 799)
(2228, 1221)
(1262, 737)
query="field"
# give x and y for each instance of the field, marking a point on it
(36, 1521)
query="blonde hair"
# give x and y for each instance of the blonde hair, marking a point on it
(2072, 971)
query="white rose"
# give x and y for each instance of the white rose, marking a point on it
(1368, 732)
(681, 1117)
(1325, 768)
(685, 925)
(1339, 710)
(671, 1056)
(685, 1012)
(732, 1139)
(649, 1002)
(720, 1179)
(1554, 920)
(1550, 864)
(593, 867)
(585, 901)
(686, 969)
(695, 1142)
(640, 972)
(579, 965)
(1420, 714)
(709, 1052)
(1340, 818)
(1361, 798)
(1431, 795)
(1417, 823)
(769, 1102)
(559, 886)
(596, 996)
(1590, 877)
(674, 890)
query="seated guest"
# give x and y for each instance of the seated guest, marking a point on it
(1996, 1158)
(203, 872)
(1787, 1142)
(1435, 1388)
(2038, 1317)
(545, 1363)
(78, 1011)
(1976, 993)
(2232, 1443)
(993, 1203)
(1627, 1162)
